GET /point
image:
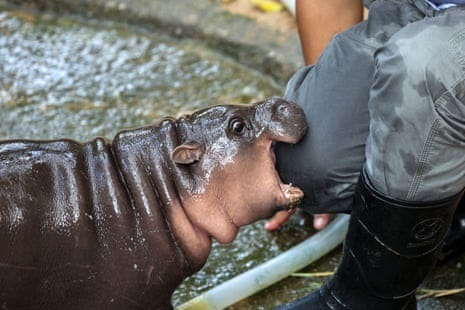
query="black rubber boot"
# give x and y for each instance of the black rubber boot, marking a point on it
(390, 247)
(454, 243)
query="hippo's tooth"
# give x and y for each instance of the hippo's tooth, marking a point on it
(293, 194)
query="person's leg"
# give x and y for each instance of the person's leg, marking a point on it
(416, 146)
(319, 21)
(326, 163)
(454, 243)
(409, 189)
(334, 94)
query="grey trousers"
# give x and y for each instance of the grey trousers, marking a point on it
(388, 96)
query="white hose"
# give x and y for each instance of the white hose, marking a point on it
(272, 271)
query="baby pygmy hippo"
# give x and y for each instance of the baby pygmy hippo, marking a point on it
(118, 225)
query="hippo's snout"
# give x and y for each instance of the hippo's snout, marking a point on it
(285, 121)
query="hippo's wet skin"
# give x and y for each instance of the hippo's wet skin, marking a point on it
(107, 226)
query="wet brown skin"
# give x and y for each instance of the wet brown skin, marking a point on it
(119, 225)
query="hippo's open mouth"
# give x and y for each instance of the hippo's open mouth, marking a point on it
(291, 194)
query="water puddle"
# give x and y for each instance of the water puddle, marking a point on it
(80, 78)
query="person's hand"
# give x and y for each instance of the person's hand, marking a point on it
(320, 221)
(278, 220)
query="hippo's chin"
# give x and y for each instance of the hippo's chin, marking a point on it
(227, 236)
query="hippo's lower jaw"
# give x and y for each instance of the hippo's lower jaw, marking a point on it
(274, 194)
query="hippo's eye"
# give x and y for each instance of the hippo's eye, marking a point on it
(237, 126)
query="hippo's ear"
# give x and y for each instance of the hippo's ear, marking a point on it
(187, 153)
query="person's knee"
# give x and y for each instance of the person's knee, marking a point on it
(328, 178)
(422, 56)
(303, 164)
(415, 119)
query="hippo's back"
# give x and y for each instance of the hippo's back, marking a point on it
(68, 232)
